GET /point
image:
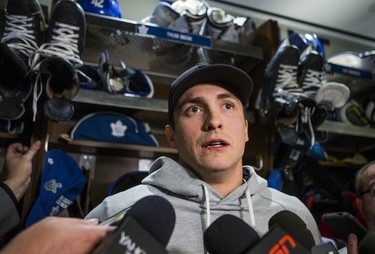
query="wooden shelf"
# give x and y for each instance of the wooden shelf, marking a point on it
(157, 51)
(4, 135)
(8, 138)
(104, 98)
(112, 149)
(54, 140)
(347, 129)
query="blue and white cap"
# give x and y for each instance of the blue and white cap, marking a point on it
(62, 181)
(105, 7)
(113, 127)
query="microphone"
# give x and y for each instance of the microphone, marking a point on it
(297, 228)
(294, 225)
(229, 235)
(276, 241)
(145, 228)
(367, 244)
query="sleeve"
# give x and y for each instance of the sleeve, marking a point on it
(9, 217)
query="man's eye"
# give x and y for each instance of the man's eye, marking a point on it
(193, 109)
(228, 106)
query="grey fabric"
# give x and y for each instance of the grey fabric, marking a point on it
(185, 191)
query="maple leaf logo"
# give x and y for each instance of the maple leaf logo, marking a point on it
(142, 29)
(118, 129)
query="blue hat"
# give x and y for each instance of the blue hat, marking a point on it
(106, 7)
(114, 128)
(62, 182)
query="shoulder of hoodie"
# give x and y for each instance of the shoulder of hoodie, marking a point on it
(285, 200)
(121, 201)
(295, 205)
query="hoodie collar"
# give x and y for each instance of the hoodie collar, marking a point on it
(167, 174)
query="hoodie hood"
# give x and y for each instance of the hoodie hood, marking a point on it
(167, 174)
(197, 204)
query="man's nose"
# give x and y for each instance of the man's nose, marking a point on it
(213, 120)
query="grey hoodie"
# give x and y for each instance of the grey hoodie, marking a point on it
(197, 204)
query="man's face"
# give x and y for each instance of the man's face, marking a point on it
(366, 203)
(210, 130)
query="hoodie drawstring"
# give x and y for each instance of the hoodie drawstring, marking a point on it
(251, 209)
(208, 208)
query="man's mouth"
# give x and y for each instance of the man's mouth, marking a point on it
(215, 144)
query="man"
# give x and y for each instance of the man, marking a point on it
(208, 127)
(365, 188)
(19, 165)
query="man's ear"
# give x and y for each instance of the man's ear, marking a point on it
(359, 204)
(169, 133)
(247, 130)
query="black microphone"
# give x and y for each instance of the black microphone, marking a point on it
(294, 225)
(145, 228)
(229, 235)
(367, 244)
(277, 240)
(297, 228)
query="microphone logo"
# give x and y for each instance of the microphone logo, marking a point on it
(284, 246)
(131, 246)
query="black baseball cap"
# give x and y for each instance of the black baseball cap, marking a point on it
(231, 77)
